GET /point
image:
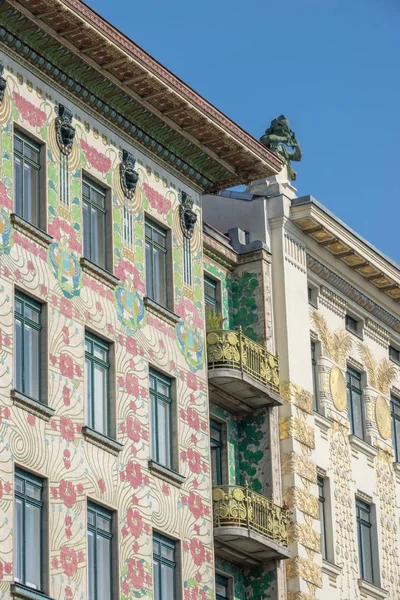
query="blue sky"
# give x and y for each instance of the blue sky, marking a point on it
(331, 66)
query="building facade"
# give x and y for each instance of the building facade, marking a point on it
(334, 316)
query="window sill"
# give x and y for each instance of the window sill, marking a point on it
(32, 406)
(160, 311)
(25, 593)
(99, 273)
(333, 571)
(361, 446)
(166, 474)
(34, 233)
(101, 441)
(372, 590)
(322, 422)
(355, 333)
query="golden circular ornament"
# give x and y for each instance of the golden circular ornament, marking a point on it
(212, 338)
(218, 494)
(232, 338)
(338, 388)
(382, 416)
(271, 361)
(238, 495)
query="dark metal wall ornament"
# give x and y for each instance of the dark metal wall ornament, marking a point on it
(187, 216)
(3, 82)
(129, 177)
(64, 129)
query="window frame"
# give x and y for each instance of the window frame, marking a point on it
(155, 397)
(208, 300)
(217, 425)
(351, 391)
(105, 513)
(26, 139)
(154, 226)
(361, 505)
(104, 345)
(351, 320)
(395, 417)
(94, 185)
(394, 354)
(171, 544)
(36, 306)
(38, 482)
(314, 368)
(322, 509)
(225, 581)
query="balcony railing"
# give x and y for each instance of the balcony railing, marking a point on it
(233, 350)
(236, 506)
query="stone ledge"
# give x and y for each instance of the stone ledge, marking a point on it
(33, 406)
(370, 590)
(333, 571)
(25, 593)
(322, 422)
(361, 446)
(34, 233)
(166, 474)
(99, 273)
(160, 311)
(101, 441)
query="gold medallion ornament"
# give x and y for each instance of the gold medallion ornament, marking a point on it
(382, 416)
(338, 389)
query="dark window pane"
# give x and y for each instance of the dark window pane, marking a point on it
(164, 568)
(97, 388)
(26, 178)
(27, 346)
(156, 261)
(94, 222)
(99, 553)
(160, 397)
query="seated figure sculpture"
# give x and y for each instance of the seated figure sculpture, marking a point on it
(277, 137)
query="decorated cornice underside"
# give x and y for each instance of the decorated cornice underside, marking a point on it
(81, 52)
(353, 293)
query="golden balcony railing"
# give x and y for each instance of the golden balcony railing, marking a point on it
(237, 506)
(232, 349)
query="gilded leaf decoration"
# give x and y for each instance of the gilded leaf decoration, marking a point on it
(336, 344)
(380, 375)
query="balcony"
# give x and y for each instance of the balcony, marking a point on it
(242, 374)
(249, 529)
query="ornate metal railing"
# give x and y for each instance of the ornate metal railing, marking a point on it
(238, 506)
(232, 349)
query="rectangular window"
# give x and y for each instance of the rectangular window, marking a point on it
(156, 262)
(211, 295)
(395, 411)
(27, 327)
(352, 325)
(26, 178)
(221, 587)
(394, 354)
(28, 529)
(99, 532)
(364, 535)
(354, 402)
(322, 516)
(216, 451)
(94, 222)
(164, 565)
(97, 365)
(314, 367)
(161, 407)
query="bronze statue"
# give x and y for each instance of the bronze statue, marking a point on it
(277, 137)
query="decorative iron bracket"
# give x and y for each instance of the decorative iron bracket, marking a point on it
(128, 176)
(64, 129)
(187, 216)
(3, 82)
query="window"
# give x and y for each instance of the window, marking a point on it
(211, 295)
(163, 568)
(94, 222)
(161, 401)
(97, 390)
(394, 354)
(312, 293)
(364, 535)
(156, 262)
(395, 410)
(221, 587)
(216, 452)
(322, 516)
(26, 178)
(354, 402)
(99, 531)
(27, 329)
(28, 529)
(314, 367)
(352, 325)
